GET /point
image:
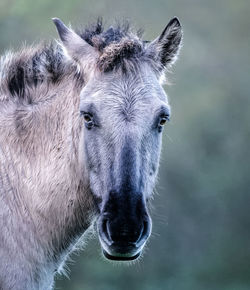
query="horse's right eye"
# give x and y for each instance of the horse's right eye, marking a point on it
(88, 118)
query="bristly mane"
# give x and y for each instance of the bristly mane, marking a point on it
(33, 66)
(119, 48)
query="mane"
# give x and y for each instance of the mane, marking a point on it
(119, 46)
(33, 66)
(46, 63)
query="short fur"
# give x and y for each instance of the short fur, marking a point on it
(47, 198)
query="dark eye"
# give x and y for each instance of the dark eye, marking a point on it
(163, 120)
(88, 119)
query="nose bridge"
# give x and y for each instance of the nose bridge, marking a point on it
(125, 192)
(125, 198)
(125, 219)
(128, 169)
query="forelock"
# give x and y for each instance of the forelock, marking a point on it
(119, 46)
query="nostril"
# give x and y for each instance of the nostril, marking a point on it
(106, 232)
(145, 228)
(141, 232)
(145, 231)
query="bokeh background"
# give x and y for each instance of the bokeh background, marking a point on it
(201, 234)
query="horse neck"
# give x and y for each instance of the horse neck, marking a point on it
(62, 185)
(47, 149)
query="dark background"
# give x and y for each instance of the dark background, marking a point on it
(201, 212)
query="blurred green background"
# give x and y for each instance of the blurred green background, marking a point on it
(201, 234)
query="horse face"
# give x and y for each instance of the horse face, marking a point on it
(123, 118)
(123, 111)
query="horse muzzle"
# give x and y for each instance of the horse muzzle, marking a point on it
(123, 240)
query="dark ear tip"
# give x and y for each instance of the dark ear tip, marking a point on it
(59, 24)
(61, 27)
(56, 20)
(174, 22)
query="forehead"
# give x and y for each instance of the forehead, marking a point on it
(138, 90)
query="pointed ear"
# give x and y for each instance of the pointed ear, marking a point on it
(165, 48)
(76, 47)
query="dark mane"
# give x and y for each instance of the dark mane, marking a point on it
(33, 66)
(119, 47)
(45, 63)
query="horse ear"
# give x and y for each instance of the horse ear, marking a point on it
(76, 47)
(165, 48)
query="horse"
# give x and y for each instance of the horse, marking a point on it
(81, 121)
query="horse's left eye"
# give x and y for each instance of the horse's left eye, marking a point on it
(163, 120)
